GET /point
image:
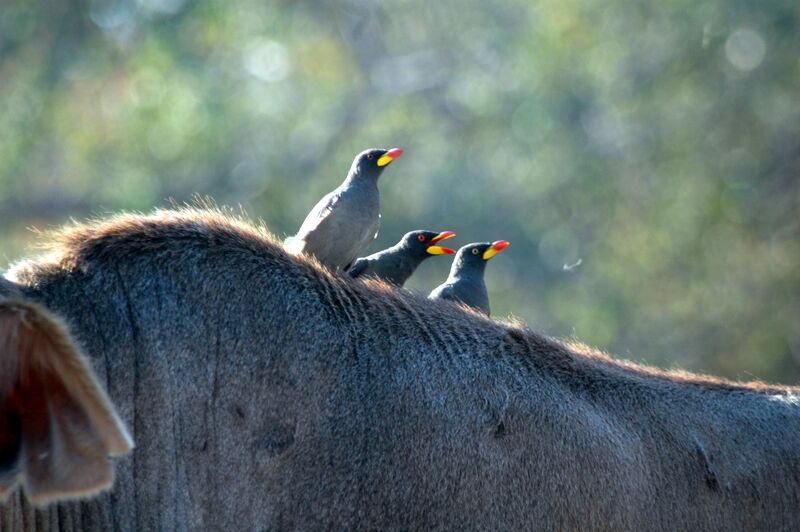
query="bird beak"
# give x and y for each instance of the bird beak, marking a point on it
(495, 248)
(444, 235)
(440, 250)
(389, 156)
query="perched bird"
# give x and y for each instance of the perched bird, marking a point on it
(397, 263)
(465, 283)
(343, 223)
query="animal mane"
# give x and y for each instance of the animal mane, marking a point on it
(133, 232)
(129, 233)
(77, 244)
(678, 376)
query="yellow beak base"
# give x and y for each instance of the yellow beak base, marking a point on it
(489, 253)
(439, 250)
(389, 156)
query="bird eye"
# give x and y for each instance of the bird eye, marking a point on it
(370, 156)
(421, 238)
(474, 251)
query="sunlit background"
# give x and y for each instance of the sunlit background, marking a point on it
(642, 157)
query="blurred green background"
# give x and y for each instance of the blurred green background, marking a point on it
(642, 157)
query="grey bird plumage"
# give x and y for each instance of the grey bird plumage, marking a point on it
(343, 223)
(465, 283)
(397, 263)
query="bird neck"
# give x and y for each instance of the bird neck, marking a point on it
(467, 271)
(411, 258)
(361, 179)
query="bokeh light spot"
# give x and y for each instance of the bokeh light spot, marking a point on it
(266, 59)
(745, 49)
(164, 7)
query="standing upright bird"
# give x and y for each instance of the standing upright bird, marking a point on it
(343, 223)
(465, 283)
(397, 263)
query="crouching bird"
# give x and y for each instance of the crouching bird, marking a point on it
(343, 223)
(465, 282)
(397, 263)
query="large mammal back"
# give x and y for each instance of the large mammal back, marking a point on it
(266, 392)
(7, 289)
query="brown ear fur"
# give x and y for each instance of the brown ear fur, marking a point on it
(57, 426)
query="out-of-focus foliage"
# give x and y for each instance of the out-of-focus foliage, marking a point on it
(642, 157)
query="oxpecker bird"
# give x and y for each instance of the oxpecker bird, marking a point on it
(343, 223)
(397, 263)
(465, 283)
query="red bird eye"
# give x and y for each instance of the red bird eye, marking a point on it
(421, 238)
(370, 156)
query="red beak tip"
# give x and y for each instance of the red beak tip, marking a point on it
(444, 235)
(501, 245)
(448, 251)
(394, 153)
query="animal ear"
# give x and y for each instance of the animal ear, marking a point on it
(57, 426)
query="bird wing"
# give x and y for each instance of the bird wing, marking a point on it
(443, 291)
(316, 234)
(339, 227)
(368, 235)
(358, 267)
(321, 211)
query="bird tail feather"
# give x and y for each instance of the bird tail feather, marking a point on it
(293, 245)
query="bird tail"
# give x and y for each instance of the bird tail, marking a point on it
(293, 245)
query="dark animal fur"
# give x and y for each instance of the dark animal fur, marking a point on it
(265, 392)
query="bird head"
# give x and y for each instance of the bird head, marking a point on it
(425, 243)
(478, 253)
(372, 162)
